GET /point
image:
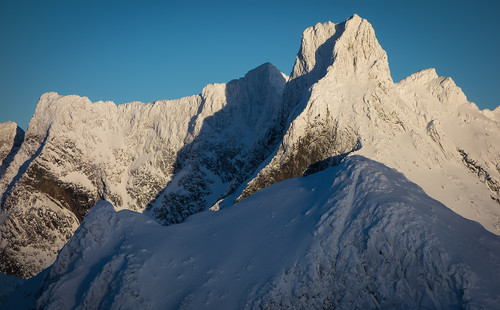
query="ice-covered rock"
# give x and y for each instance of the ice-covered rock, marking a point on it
(337, 67)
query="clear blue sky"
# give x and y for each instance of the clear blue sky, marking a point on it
(148, 50)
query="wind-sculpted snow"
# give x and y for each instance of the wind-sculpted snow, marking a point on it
(357, 236)
(76, 152)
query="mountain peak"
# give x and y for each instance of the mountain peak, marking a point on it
(357, 52)
(421, 77)
(355, 16)
(347, 49)
(316, 48)
(173, 158)
(351, 45)
(443, 88)
(269, 72)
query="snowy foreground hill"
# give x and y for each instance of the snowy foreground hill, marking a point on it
(359, 235)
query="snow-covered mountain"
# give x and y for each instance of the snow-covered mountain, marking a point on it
(172, 159)
(224, 147)
(423, 126)
(356, 236)
(185, 153)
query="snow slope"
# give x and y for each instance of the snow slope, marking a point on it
(357, 236)
(8, 284)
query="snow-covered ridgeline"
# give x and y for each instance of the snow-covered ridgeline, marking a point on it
(75, 153)
(359, 235)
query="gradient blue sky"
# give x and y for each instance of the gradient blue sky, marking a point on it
(148, 50)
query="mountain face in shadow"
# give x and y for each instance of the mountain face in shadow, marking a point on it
(225, 148)
(11, 138)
